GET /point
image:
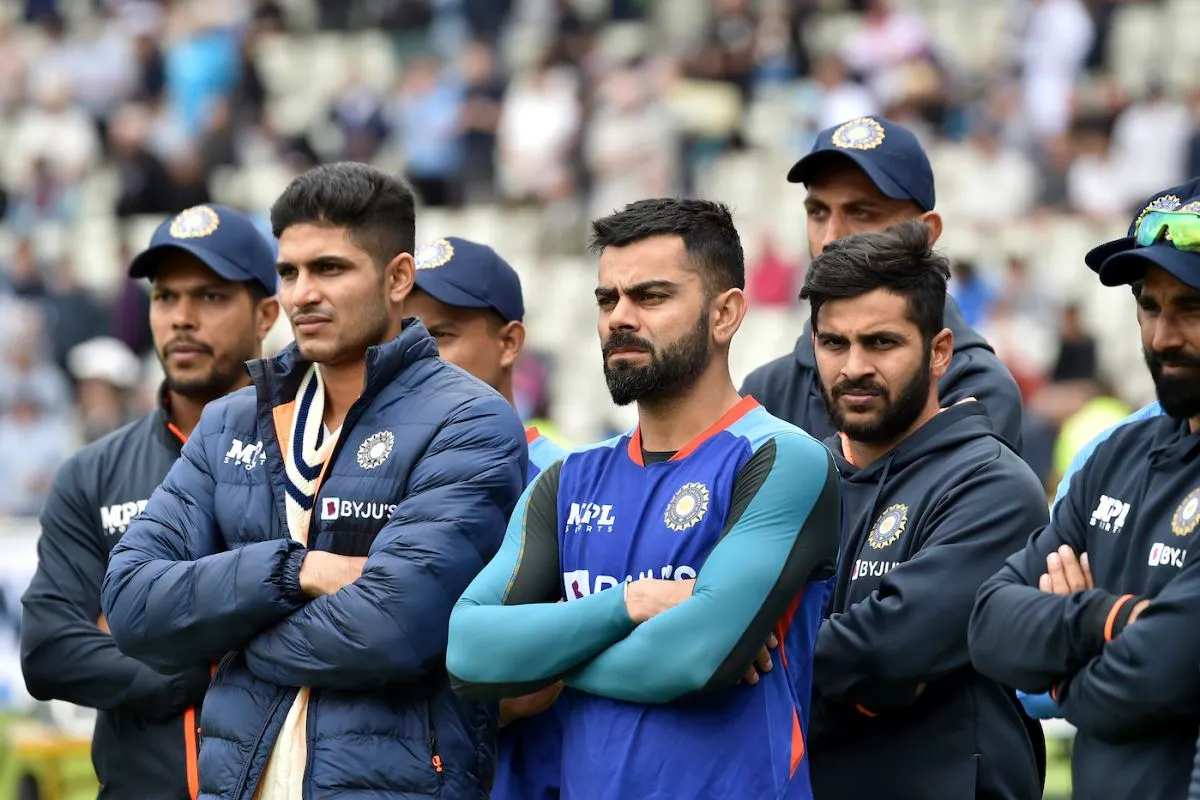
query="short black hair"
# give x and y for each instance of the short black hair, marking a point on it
(899, 260)
(376, 209)
(709, 237)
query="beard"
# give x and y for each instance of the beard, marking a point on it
(1179, 395)
(889, 423)
(668, 374)
(224, 374)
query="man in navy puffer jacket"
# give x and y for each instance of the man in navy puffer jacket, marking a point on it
(319, 527)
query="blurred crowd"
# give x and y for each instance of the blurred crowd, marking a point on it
(128, 109)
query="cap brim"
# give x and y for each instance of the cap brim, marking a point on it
(1101, 253)
(449, 294)
(146, 264)
(1130, 266)
(804, 169)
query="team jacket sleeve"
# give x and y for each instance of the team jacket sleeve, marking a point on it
(782, 532)
(983, 376)
(173, 596)
(64, 654)
(508, 633)
(390, 625)
(1145, 679)
(1027, 638)
(913, 628)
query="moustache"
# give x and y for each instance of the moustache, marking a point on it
(1170, 358)
(183, 343)
(623, 340)
(857, 387)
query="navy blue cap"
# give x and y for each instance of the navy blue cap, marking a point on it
(887, 152)
(225, 240)
(1123, 261)
(469, 275)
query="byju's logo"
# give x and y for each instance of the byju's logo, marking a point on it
(336, 508)
(589, 517)
(1109, 514)
(246, 455)
(580, 583)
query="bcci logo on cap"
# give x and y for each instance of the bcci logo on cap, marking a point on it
(863, 133)
(1184, 520)
(687, 507)
(194, 223)
(889, 526)
(434, 254)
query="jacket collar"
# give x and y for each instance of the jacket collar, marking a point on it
(280, 376)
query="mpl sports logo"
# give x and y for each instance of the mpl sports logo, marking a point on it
(1109, 514)
(246, 455)
(580, 583)
(333, 508)
(115, 518)
(589, 518)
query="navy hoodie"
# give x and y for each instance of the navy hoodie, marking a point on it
(1132, 691)
(898, 710)
(790, 389)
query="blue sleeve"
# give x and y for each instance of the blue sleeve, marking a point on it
(913, 628)
(508, 633)
(1030, 639)
(782, 531)
(390, 625)
(173, 596)
(1085, 452)
(1145, 678)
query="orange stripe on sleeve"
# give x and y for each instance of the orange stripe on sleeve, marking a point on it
(1112, 615)
(797, 744)
(191, 753)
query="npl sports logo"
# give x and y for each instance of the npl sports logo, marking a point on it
(334, 508)
(589, 518)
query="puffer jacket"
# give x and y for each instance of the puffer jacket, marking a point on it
(428, 468)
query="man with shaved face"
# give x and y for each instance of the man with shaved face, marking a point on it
(866, 175)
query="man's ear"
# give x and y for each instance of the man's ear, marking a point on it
(512, 341)
(727, 310)
(942, 353)
(398, 277)
(265, 315)
(933, 221)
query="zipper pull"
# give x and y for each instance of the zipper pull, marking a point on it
(437, 763)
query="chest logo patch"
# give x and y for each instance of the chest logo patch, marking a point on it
(687, 507)
(1185, 518)
(375, 449)
(889, 526)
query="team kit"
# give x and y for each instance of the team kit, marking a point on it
(351, 571)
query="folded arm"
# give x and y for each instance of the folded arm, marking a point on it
(64, 653)
(781, 533)
(173, 596)
(913, 629)
(390, 625)
(509, 635)
(1144, 680)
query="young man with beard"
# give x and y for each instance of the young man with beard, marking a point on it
(679, 548)
(935, 502)
(1101, 607)
(865, 175)
(318, 528)
(212, 302)
(470, 300)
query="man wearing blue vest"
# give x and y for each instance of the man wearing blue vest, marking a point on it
(679, 548)
(470, 299)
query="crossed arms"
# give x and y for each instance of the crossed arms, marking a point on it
(509, 636)
(174, 595)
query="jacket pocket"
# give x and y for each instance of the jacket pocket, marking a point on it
(435, 756)
(222, 667)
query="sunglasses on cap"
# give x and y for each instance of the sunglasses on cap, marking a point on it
(1180, 229)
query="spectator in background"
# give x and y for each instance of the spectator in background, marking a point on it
(426, 115)
(38, 438)
(1150, 140)
(483, 97)
(1100, 183)
(539, 127)
(972, 291)
(358, 114)
(105, 372)
(1055, 37)
(829, 96)
(202, 60)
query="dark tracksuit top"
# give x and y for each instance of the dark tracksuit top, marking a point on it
(790, 388)
(924, 527)
(1131, 690)
(144, 729)
(750, 510)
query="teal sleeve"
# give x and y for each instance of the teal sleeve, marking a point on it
(782, 532)
(508, 634)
